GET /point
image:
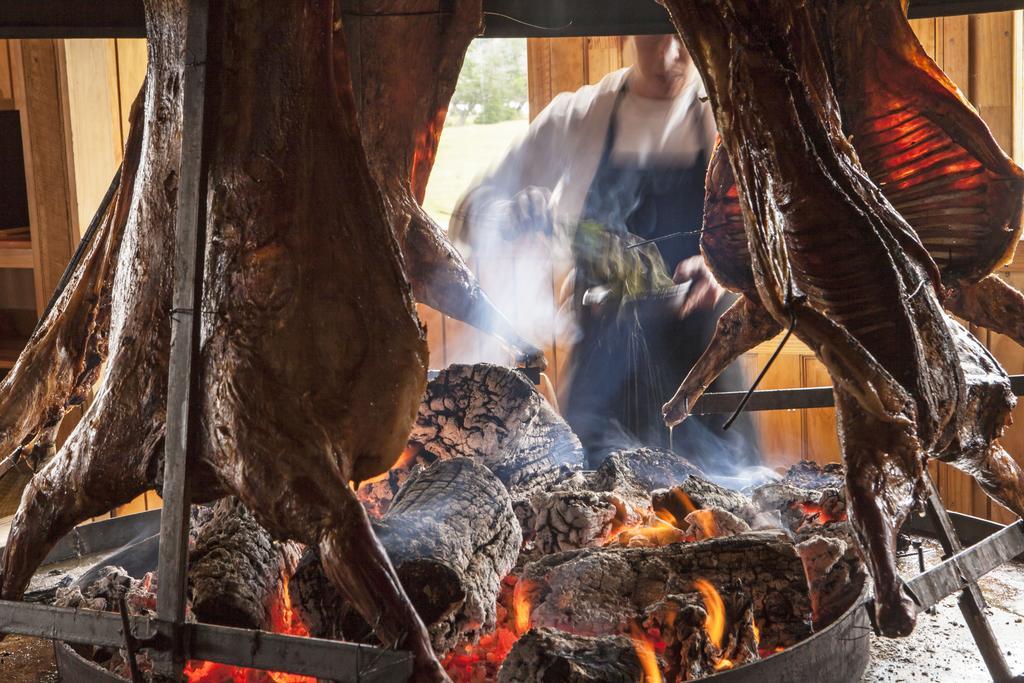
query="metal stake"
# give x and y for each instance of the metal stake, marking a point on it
(972, 602)
(189, 239)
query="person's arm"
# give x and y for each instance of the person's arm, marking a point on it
(514, 194)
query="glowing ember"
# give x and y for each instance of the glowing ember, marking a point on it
(715, 624)
(645, 652)
(723, 664)
(283, 619)
(657, 532)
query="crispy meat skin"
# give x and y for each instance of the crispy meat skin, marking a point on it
(312, 358)
(830, 253)
(406, 62)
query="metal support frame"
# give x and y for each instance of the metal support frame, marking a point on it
(960, 569)
(503, 18)
(183, 366)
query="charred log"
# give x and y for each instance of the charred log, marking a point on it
(696, 493)
(544, 655)
(654, 468)
(692, 650)
(708, 523)
(452, 537)
(236, 568)
(589, 508)
(594, 590)
(835, 570)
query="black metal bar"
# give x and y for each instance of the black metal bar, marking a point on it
(238, 647)
(321, 658)
(788, 399)
(503, 18)
(182, 382)
(971, 601)
(129, 640)
(72, 19)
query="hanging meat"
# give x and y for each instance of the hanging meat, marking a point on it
(926, 149)
(312, 358)
(847, 244)
(405, 59)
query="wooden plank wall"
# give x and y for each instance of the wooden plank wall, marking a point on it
(982, 54)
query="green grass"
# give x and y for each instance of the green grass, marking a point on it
(465, 152)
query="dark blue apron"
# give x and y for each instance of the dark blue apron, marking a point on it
(624, 367)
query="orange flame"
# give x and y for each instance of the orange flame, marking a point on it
(646, 654)
(283, 619)
(706, 521)
(757, 633)
(684, 500)
(723, 664)
(521, 609)
(657, 532)
(715, 623)
(404, 460)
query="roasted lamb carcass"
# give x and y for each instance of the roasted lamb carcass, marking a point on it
(925, 148)
(405, 59)
(312, 358)
(832, 258)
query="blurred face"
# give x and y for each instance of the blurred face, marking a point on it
(663, 66)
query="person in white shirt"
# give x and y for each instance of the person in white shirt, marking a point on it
(629, 155)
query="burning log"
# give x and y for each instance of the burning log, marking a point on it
(594, 590)
(714, 523)
(495, 416)
(587, 509)
(704, 631)
(696, 493)
(236, 568)
(452, 537)
(835, 570)
(653, 468)
(548, 655)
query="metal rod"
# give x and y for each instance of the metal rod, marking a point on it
(787, 399)
(182, 383)
(328, 659)
(504, 18)
(971, 602)
(129, 640)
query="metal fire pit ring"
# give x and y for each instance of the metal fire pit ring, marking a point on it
(838, 653)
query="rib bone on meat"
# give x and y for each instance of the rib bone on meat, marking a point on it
(832, 257)
(312, 358)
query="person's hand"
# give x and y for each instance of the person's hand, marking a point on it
(705, 292)
(531, 212)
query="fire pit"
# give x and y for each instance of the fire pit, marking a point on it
(495, 528)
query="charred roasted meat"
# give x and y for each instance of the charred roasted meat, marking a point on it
(831, 256)
(312, 358)
(406, 57)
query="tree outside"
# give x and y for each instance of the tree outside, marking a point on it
(488, 111)
(492, 86)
